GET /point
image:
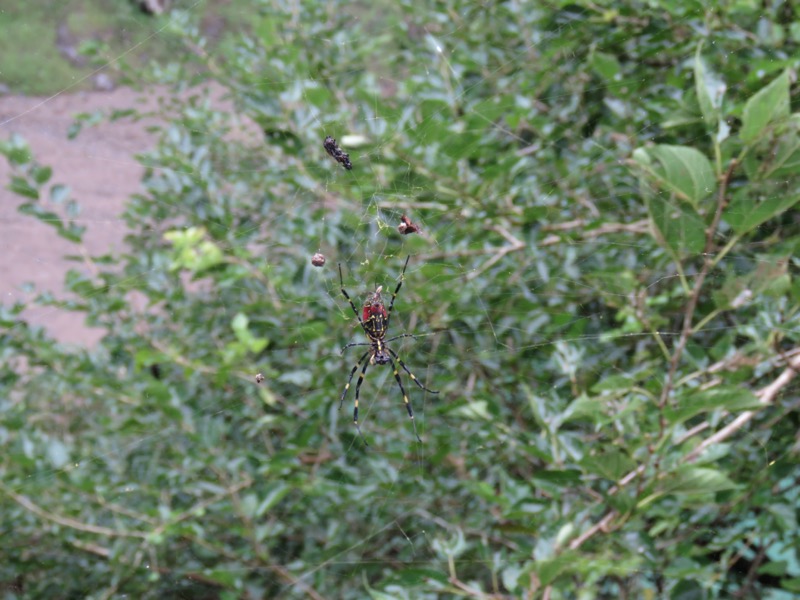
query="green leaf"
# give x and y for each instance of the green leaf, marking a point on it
(560, 477)
(745, 213)
(59, 193)
(223, 577)
(791, 585)
(776, 156)
(729, 397)
(687, 589)
(690, 480)
(769, 104)
(378, 595)
(16, 150)
(612, 464)
(417, 575)
(41, 174)
(45, 216)
(548, 570)
(275, 495)
(58, 453)
(20, 186)
(682, 170)
(614, 383)
(710, 90)
(605, 65)
(477, 409)
(72, 232)
(299, 377)
(239, 325)
(680, 227)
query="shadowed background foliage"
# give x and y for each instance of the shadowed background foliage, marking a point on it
(604, 291)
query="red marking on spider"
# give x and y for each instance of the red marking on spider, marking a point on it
(373, 307)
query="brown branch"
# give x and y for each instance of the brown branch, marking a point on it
(766, 396)
(29, 505)
(550, 240)
(601, 525)
(514, 245)
(472, 591)
(642, 226)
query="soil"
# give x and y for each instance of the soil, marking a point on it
(100, 169)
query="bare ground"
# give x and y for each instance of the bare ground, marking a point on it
(100, 169)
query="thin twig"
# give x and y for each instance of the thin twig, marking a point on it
(642, 226)
(514, 245)
(472, 591)
(29, 505)
(765, 396)
(601, 525)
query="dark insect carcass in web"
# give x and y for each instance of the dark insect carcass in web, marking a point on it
(406, 226)
(337, 153)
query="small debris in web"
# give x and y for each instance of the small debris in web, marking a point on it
(337, 153)
(153, 7)
(259, 378)
(406, 226)
(318, 260)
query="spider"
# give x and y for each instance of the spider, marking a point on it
(374, 320)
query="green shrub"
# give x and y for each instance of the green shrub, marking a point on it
(604, 291)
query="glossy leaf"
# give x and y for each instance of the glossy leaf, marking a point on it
(729, 398)
(678, 226)
(746, 211)
(679, 169)
(710, 90)
(690, 480)
(21, 187)
(769, 105)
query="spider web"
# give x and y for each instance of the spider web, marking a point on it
(375, 253)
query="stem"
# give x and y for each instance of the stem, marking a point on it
(704, 321)
(661, 344)
(727, 248)
(766, 396)
(708, 263)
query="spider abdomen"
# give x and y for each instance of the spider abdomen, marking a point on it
(380, 356)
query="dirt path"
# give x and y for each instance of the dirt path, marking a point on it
(100, 169)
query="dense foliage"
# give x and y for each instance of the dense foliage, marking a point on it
(604, 291)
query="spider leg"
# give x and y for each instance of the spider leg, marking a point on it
(349, 379)
(405, 398)
(356, 344)
(353, 306)
(397, 337)
(397, 289)
(358, 391)
(410, 374)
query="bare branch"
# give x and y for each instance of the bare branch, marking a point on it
(29, 505)
(765, 395)
(514, 245)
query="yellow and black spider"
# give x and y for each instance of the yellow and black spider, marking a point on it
(374, 321)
